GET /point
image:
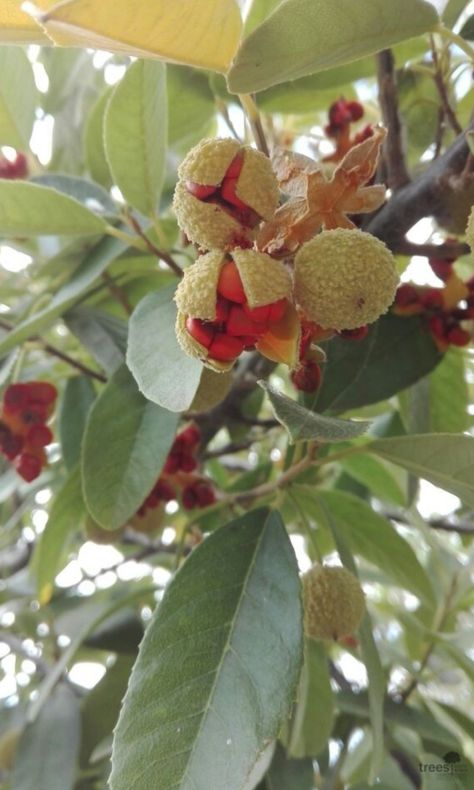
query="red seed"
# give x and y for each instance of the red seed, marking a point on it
(222, 310)
(235, 167)
(239, 324)
(277, 310)
(39, 436)
(224, 348)
(458, 336)
(258, 314)
(163, 491)
(28, 467)
(191, 436)
(200, 191)
(15, 398)
(41, 392)
(407, 295)
(187, 463)
(200, 331)
(355, 109)
(10, 444)
(228, 193)
(432, 298)
(230, 285)
(307, 376)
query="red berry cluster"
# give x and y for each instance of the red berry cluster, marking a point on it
(15, 168)
(178, 474)
(237, 326)
(225, 196)
(307, 376)
(444, 309)
(24, 434)
(341, 114)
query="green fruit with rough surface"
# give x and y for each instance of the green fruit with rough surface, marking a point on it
(334, 602)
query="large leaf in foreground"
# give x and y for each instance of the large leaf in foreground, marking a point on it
(217, 670)
(397, 352)
(446, 460)
(304, 36)
(16, 27)
(303, 424)
(204, 34)
(125, 445)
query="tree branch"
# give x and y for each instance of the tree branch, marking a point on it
(397, 173)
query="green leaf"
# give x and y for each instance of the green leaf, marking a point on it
(135, 133)
(259, 11)
(467, 30)
(375, 476)
(95, 262)
(373, 536)
(18, 98)
(66, 516)
(48, 748)
(104, 335)
(303, 424)
(288, 774)
(94, 145)
(305, 36)
(370, 654)
(191, 107)
(31, 210)
(217, 669)
(125, 445)
(405, 715)
(101, 707)
(397, 352)
(78, 397)
(453, 11)
(446, 461)
(86, 192)
(313, 716)
(449, 394)
(163, 372)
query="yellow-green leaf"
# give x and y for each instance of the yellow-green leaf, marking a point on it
(16, 27)
(305, 36)
(204, 34)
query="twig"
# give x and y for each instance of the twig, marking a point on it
(397, 173)
(117, 292)
(222, 108)
(275, 485)
(443, 93)
(461, 527)
(448, 250)
(255, 122)
(55, 352)
(161, 254)
(16, 646)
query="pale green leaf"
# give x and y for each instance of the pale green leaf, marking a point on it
(375, 476)
(445, 460)
(373, 536)
(286, 773)
(18, 97)
(104, 335)
(94, 146)
(49, 747)
(448, 394)
(31, 210)
(126, 443)
(313, 715)
(217, 670)
(95, 262)
(303, 424)
(163, 372)
(305, 36)
(77, 399)
(135, 134)
(66, 517)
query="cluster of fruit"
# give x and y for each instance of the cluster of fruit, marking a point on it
(342, 114)
(14, 168)
(445, 309)
(236, 298)
(179, 473)
(26, 408)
